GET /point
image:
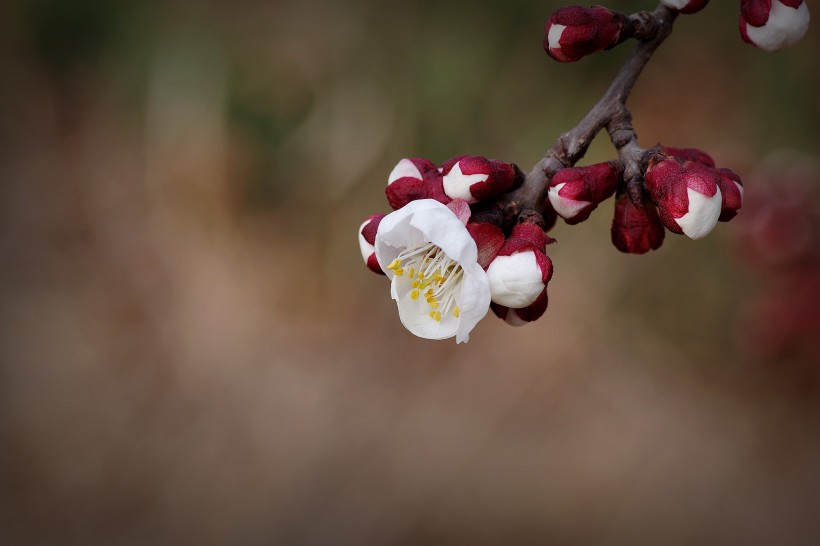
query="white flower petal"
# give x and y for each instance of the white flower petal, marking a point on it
(515, 281)
(703, 214)
(784, 28)
(366, 248)
(414, 315)
(554, 36)
(403, 168)
(457, 184)
(675, 4)
(475, 301)
(740, 189)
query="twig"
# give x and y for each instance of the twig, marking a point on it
(609, 112)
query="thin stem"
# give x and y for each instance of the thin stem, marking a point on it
(609, 112)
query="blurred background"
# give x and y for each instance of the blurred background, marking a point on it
(192, 352)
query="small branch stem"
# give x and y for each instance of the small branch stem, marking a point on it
(609, 112)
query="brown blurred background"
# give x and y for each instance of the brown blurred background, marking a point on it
(193, 352)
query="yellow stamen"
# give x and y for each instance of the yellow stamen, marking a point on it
(395, 264)
(414, 284)
(456, 312)
(414, 295)
(437, 317)
(412, 273)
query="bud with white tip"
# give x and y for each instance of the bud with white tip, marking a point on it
(521, 269)
(731, 188)
(367, 242)
(687, 195)
(685, 6)
(575, 192)
(476, 178)
(773, 25)
(573, 32)
(407, 181)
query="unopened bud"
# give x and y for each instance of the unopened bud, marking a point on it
(685, 6)
(687, 196)
(573, 32)
(476, 178)
(575, 192)
(521, 270)
(731, 190)
(636, 230)
(406, 181)
(367, 242)
(772, 25)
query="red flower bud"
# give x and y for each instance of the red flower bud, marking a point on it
(521, 270)
(573, 32)
(367, 242)
(636, 230)
(476, 178)
(406, 181)
(575, 192)
(685, 6)
(731, 190)
(772, 25)
(687, 196)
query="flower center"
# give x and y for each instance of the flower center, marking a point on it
(433, 275)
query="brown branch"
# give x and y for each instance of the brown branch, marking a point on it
(609, 112)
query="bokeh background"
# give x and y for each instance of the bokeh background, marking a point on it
(193, 352)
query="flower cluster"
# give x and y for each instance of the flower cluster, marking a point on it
(470, 234)
(683, 192)
(445, 265)
(690, 193)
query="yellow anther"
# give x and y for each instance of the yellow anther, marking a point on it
(429, 292)
(399, 272)
(421, 275)
(415, 284)
(437, 316)
(412, 273)
(432, 314)
(433, 304)
(455, 312)
(414, 295)
(395, 264)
